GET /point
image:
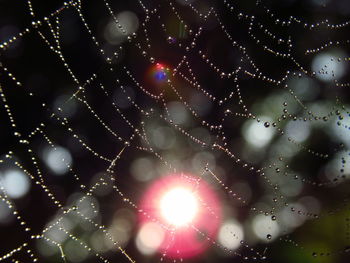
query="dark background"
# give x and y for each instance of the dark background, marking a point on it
(42, 73)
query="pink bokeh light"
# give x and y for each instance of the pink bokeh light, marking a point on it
(193, 238)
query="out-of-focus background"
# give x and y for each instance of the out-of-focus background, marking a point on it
(99, 99)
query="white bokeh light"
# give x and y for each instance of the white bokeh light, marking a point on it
(58, 159)
(293, 219)
(298, 131)
(16, 183)
(230, 235)
(327, 66)
(178, 206)
(143, 169)
(163, 137)
(149, 238)
(178, 113)
(116, 33)
(264, 228)
(256, 134)
(304, 87)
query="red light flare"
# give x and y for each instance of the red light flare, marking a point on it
(190, 239)
(156, 78)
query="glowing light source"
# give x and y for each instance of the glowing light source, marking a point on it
(160, 72)
(156, 77)
(179, 206)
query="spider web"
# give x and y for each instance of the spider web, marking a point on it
(101, 98)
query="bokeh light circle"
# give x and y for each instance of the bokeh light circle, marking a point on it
(156, 77)
(179, 206)
(185, 235)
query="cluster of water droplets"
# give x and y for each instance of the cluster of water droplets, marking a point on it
(165, 99)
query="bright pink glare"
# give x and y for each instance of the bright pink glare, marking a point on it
(188, 210)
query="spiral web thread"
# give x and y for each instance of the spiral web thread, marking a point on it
(272, 36)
